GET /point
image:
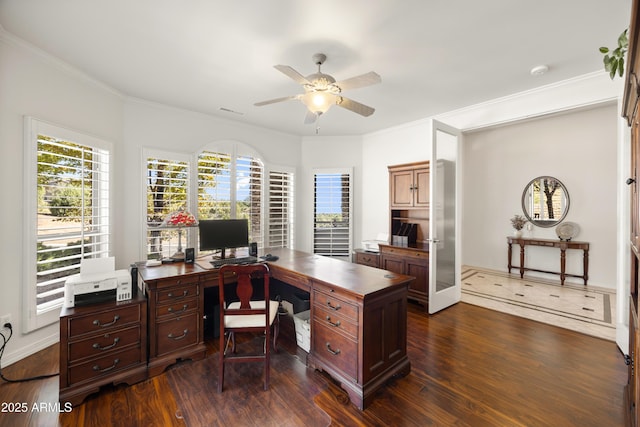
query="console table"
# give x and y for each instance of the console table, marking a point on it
(563, 245)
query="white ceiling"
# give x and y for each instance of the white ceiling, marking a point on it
(433, 56)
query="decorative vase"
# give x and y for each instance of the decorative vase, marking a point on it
(517, 233)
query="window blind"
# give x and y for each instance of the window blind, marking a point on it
(167, 191)
(230, 186)
(72, 213)
(332, 214)
(281, 210)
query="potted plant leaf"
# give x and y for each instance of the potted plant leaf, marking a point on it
(614, 59)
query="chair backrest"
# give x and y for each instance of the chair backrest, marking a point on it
(245, 291)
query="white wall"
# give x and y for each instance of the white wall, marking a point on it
(405, 144)
(578, 148)
(33, 84)
(326, 153)
(149, 125)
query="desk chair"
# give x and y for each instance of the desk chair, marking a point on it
(246, 315)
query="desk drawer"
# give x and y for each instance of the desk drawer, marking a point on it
(367, 258)
(290, 277)
(404, 252)
(335, 304)
(178, 293)
(335, 349)
(177, 334)
(334, 321)
(102, 344)
(176, 308)
(104, 321)
(106, 365)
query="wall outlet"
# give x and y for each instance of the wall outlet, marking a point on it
(5, 319)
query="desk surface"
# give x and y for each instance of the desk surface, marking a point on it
(297, 268)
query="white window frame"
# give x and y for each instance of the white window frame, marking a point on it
(32, 128)
(347, 171)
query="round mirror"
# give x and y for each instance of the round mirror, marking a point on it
(545, 201)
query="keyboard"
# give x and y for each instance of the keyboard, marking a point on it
(217, 263)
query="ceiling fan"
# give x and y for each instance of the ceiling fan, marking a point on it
(321, 91)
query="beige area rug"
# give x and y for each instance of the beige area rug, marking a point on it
(586, 309)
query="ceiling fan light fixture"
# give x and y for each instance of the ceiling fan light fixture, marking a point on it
(321, 90)
(317, 102)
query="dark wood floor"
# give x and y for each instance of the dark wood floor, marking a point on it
(470, 367)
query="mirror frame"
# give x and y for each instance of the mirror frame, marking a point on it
(539, 223)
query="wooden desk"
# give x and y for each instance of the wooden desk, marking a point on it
(563, 245)
(358, 317)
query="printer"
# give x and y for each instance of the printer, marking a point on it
(373, 245)
(97, 282)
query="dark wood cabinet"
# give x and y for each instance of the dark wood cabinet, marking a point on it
(175, 316)
(412, 261)
(102, 344)
(630, 112)
(360, 345)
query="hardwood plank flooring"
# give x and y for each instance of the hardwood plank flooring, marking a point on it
(470, 367)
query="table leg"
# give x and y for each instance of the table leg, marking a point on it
(563, 262)
(509, 259)
(585, 266)
(521, 260)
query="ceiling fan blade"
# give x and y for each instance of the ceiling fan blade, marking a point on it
(311, 117)
(356, 107)
(368, 79)
(293, 74)
(273, 101)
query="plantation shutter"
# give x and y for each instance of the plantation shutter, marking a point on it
(72, 213)
(281, 213)
(332, 214)
(167, 191)
(230, 187)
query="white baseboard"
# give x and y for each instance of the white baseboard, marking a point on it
(34, 347)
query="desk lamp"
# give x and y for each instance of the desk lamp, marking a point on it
(179, 219)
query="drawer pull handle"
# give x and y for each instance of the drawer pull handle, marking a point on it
(332, 351)
(97, 346)
(184, 308)
(98, 369)
(184, 334)
(336, 324)
(184, 294)
(333, 307)
(115, 319)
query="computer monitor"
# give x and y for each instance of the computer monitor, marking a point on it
(221, 234)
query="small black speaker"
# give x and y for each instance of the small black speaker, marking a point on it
(133, 269)
(189, 255)
(253, 249)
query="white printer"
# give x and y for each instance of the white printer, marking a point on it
(372, 245)
(98, 281)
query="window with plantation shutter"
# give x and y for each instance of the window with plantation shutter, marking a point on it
(230, 186)
(67, 200)
(332, 213)
(167, 185)
(281, 212)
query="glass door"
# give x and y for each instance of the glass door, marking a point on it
(444, 227)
